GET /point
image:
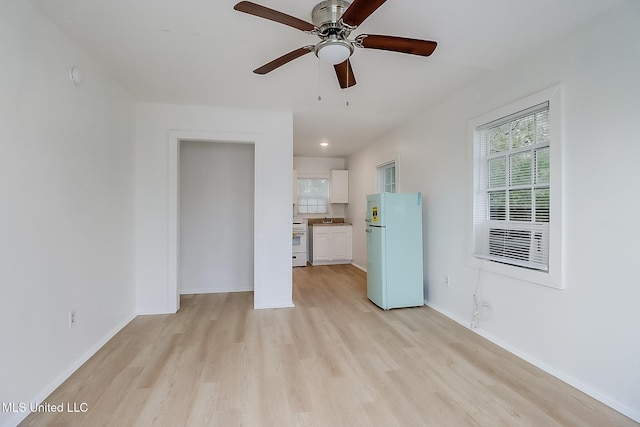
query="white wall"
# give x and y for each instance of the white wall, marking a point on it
(216, 217)
(272, 134)
(66, 207)
(589, 333)
(319, 167)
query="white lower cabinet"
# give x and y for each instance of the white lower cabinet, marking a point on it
(321, 245)
(331, 244)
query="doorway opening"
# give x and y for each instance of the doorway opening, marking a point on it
(215, 217)
(176, 139)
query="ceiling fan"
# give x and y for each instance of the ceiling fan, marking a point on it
(333, 22)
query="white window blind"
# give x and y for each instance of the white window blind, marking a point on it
(313, 195)
(511, 210)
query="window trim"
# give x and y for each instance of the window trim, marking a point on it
(554, 276)
(386, 161)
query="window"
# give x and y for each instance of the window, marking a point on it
(516, 190)
(512, 209)
(387, 177)
(313, 195)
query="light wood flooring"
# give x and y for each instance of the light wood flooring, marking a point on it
(333, 360)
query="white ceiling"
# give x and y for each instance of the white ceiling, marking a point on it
(202, 52)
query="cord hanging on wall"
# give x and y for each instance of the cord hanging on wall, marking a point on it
(482, 309)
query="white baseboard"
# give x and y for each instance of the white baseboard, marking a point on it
(213, 291)
(359, 267)
(265, 307)
(632, 413)
(341, 262)
(40, 397)
(154, 313)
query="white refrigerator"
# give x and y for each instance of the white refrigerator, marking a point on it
(394, 250)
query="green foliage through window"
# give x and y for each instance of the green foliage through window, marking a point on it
(518, 168)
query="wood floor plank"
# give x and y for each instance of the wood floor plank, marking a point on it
(335, 359)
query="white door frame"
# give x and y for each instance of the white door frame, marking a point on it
(175, 137)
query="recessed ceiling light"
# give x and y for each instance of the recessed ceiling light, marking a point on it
(324, 144)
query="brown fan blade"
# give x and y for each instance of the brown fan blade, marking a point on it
(359, 11)
(397, 44)
(279, 62)
(273, 15)
(345, 74)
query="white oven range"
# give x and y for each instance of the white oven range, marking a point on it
(299, 242)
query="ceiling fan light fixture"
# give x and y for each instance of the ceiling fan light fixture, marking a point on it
(334, 51)
(333, 23)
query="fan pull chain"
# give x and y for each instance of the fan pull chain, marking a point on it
(319, 97)
(347, 102)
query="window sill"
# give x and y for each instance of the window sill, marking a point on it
(520, 273)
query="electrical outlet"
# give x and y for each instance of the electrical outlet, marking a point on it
(446, 280)
(72, 318)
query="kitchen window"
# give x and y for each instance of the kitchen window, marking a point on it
(516, 190)
(313, 195)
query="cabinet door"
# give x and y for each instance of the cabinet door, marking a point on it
(339, 244)
(321, 246)
(339, 186)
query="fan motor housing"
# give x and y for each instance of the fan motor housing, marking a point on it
(326, 14)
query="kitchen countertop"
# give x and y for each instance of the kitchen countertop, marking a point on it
(330, 221)
(330, 224)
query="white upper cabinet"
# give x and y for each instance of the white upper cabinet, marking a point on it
(339, 186)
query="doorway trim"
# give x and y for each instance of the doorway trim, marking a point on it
(173, 196)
